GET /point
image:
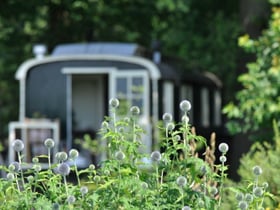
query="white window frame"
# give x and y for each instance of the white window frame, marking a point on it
(32, 124)
(217, 108)
(168, 97)
(205, 107)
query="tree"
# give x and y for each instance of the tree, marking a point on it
(258, 102)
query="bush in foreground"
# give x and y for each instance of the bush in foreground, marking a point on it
(171, 177)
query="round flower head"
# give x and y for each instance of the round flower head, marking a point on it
(223, 147)
(114, 102)
(144, 185)
(106, 172)
(10, 176)
(119, 155)
(203, 169)
(170, 126)
(249, 198)
(265, 185)
(35, 160)
(49, 143)
(185, 119)
(14, 167)
(156, 156)
(213, 190)
(257, 170)
(61, 156)
(97, 178)
(223, 159)
(73, 154)
(257, 191)
(30, 178)
(186, 208)
(105, 125)
(63, 169)
(243, 205)
(185, 106)
(71, 199)
(55, 206)
(239, 196)
(37, 167)
(167, 117)
(91, 167)
(181, 181)
(177, 138)
(18, 145)
(134, 110)
(84, 190)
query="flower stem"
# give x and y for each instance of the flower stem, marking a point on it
(21, 171)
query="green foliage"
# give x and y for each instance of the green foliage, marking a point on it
(258, 102)
(127, 179)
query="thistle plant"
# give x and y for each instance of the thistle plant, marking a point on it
(172, 177)
(73, 155)
(49, 143)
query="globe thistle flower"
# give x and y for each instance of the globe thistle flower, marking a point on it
(63, 169)
(243, 205)
(186, 208)
(144, 185)
(156, 156)
(114, 103)
(119, 155)
(177, 138)
(105, 125)
(35, 160)
(84, 190)
(73, 154)
(55, 206)
(61, 156)
(30, 178)
(170, 126)
(223, 147)
(185, 119)
(49, 143)
(167, 117)
(213, 191)
(257, 170)
(18, 145)
(265, 185)
(203, 169)
(14, 167)
(121, 129)
(223, 159)
(37, 167)
(181, 181)
(106, 172)
(248, 197)
(134, 110)
(258, 191)
(91, 167)
(239, 196)
(185, 106)
(71, 199)
(10, 176)
(97, 178)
